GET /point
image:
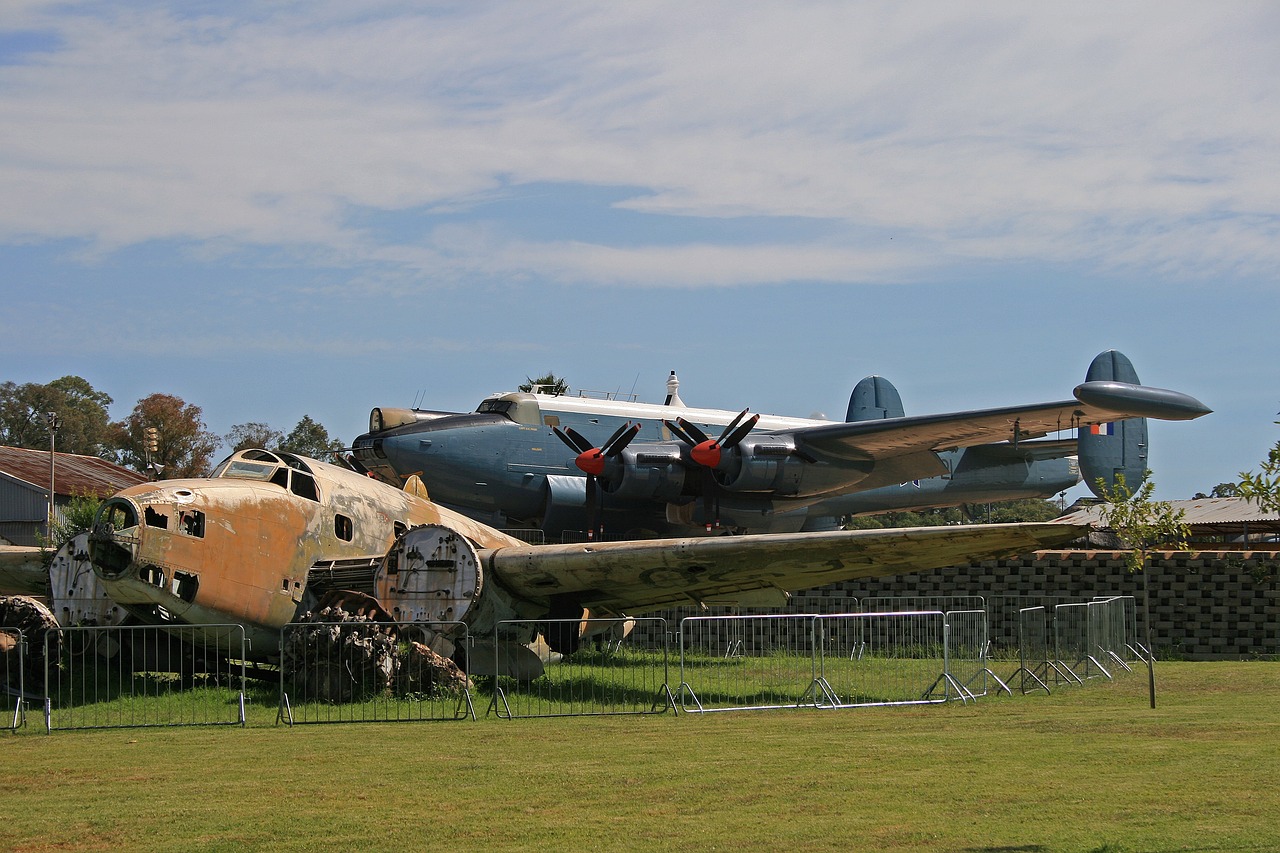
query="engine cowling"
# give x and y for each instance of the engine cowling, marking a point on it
(763, 463)
(650, 471)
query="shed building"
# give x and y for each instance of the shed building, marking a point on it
(24, 488)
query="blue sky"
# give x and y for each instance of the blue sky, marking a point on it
(316, 208)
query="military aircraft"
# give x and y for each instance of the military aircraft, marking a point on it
(271, 535)
(563, 463)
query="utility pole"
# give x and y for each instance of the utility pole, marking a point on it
(54, 422)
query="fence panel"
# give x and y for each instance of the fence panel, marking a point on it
(966, 646)
(12, 679)
(128, 676)
(1035, 666)
(620, 668)
(361, 671)
(895, 658)
(1073, 633)
(738, 663)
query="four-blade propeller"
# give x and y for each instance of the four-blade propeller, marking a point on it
(707, 453)
(591, 461)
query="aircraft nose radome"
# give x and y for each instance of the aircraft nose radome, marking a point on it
(1141, 401)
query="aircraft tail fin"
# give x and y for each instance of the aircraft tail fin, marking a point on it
(873, 399)
(414, 486)
(1115, 448)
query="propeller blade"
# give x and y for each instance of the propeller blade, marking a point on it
(693, 430)
(732, 436)
(592, 507)
(709, 504)
(679, 433)
(620, 439)
(573, 439)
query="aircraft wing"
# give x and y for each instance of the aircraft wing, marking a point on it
(1096, 402)
(22, 572)
(629, 577)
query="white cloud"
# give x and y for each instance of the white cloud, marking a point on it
(1140, 136)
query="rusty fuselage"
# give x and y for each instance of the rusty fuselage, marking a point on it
(238, 547)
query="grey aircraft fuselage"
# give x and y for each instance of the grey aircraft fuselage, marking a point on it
(504, 465)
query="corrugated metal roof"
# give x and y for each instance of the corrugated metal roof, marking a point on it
(73, 474)
(1202, 511)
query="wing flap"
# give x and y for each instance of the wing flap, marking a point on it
(634, 576)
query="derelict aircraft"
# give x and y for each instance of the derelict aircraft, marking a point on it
(568, 463)
(269, 535)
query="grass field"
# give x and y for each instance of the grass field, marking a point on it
(1089, 768)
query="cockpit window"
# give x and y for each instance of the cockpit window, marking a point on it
(294, 462)
(285, 470)
(495, 407)
(242, 470)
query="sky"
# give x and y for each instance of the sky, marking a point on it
(288, 209)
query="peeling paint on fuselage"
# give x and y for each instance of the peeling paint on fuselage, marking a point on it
(258, 541)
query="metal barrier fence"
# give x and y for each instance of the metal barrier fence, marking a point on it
(1074, 643)
(734, 663)
(12, 679)
(967, 643)
(896, 658)
(616, 670)
(922, 603)
(1124, 629)
(119, 677)
(362, 671)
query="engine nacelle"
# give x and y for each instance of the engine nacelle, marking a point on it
(763, 463)
(431, 574)
(652, 471)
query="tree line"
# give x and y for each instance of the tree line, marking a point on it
(181, 446)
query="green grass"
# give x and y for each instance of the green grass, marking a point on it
(1089, 768)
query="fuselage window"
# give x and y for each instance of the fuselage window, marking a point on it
(304, 486)
(191, 522)
(156, 519)
(342, 528)
(281, 477)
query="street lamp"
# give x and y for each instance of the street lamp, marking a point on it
(54, 423)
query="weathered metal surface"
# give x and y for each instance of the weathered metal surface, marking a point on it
(21, 571)
(204, 550)
(632, 576)
(77, 596)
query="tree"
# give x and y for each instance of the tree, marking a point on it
(1263, 488)
(1141, 524)
(84, 425)
(184, 446)
(77, 517)
(548, 384)
(1222, 490)
(252, 434)
(311, 439)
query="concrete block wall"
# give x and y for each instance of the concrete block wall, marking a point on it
(1204, 604)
